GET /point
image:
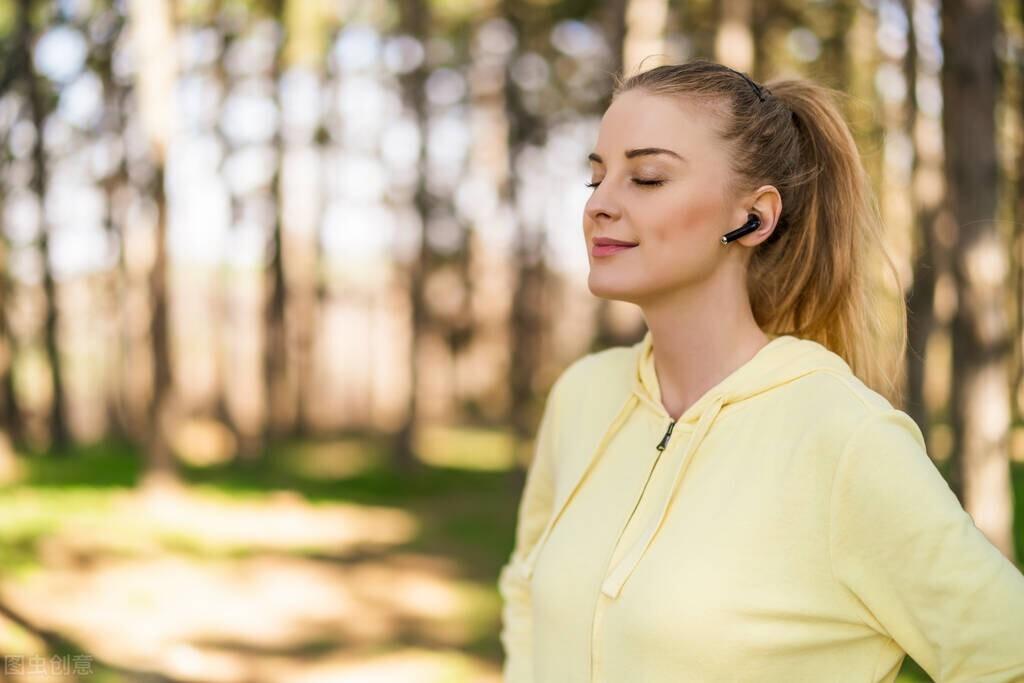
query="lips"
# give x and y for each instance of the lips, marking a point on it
(609, 241)
(604, 246)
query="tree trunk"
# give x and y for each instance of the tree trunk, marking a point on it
(981, 339)
(920, 296)
(58, 423)
(154, 36)
(526, 319)
(278, 417)
(415, 21)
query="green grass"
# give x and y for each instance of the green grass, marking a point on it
(1017, 482)
(911, 672)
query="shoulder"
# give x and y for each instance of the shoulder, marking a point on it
(856, 412)
(845, 388)
(610, 369)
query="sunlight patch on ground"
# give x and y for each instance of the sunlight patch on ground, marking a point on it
(228, 620)
(13, 638)
(331, 461)
(466, 448)
(1017, 445)
(12, 469)
(413, 665)
(71, 526)
(201, 442)
(284, 520)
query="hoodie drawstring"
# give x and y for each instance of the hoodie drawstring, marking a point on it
(613, 583)
(616, 424)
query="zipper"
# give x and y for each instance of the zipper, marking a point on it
(661, 447)
(668, 434)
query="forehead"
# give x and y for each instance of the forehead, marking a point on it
(639, 119)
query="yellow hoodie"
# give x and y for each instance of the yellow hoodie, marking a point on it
(788, 527)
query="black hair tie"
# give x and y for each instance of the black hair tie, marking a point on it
(754, 86)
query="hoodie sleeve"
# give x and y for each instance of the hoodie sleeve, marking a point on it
(903, 544)
(535, 508)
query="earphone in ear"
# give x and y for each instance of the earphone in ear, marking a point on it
(752, 224)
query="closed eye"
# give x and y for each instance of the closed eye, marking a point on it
(638, 181)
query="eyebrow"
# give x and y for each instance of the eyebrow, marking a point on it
(643, 151)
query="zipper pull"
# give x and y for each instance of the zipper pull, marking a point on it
(664, 439)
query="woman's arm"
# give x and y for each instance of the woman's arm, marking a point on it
(927, 576)
(535, 508)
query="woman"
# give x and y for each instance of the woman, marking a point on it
(735, 498)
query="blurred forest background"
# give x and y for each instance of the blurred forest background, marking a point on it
(284, 284)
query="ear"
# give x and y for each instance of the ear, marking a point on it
(766, 202)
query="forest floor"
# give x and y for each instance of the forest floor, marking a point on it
(318, 562)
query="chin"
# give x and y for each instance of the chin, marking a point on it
(612, 288)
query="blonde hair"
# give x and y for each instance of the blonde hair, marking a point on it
(813, 276)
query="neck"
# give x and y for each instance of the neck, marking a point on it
(700, 337)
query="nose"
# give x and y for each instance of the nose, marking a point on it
(601, 206)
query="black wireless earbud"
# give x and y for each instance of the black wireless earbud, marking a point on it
(752, 224)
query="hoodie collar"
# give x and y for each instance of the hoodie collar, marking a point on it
(782, 359)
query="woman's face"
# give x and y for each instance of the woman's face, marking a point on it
(672, 204)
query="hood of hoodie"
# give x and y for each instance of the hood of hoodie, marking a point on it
(784, 359)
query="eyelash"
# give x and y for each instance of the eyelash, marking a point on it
(648, 183)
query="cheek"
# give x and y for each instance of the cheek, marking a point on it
(683, 242)
(685, 217)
